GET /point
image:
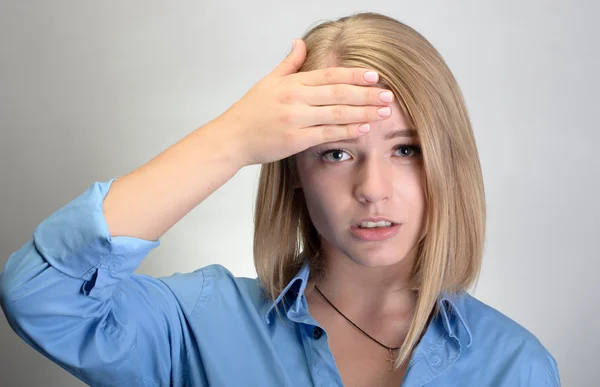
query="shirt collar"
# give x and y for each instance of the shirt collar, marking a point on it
(299, 281)
(453, 316)
(454, 320)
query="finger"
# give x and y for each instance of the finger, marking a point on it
(336, 75)
(315, 135)
(293, 61)
(345, 94)
(340, 115)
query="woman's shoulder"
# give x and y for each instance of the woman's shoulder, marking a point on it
(501, 337)
(484, 320)
(214, 284)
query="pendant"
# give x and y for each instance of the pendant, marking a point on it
(390, 359)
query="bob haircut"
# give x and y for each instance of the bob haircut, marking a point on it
(451, 246)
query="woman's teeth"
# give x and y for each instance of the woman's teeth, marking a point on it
(382, 223)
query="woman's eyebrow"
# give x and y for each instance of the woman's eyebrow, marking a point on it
(401, 133)
(389, 136)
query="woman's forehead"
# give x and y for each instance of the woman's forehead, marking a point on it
(397, 122)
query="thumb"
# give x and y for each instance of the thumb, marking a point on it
(293, 61)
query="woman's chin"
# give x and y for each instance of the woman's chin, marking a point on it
(377, 260)
(371, 255)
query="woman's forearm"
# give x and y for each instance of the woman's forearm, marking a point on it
(148, 201)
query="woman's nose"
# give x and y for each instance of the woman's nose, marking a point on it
(373, 182)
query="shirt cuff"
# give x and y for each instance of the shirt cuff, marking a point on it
(75, 240)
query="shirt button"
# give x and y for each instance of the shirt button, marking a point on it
(317, 332)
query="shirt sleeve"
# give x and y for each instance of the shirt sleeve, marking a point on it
(71, 293)
(543, 371)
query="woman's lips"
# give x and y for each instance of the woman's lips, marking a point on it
(375, 233)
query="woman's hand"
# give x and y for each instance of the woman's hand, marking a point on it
(287, 112)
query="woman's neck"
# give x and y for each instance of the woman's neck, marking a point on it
(380, 293)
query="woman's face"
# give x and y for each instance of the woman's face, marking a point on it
(375, 177)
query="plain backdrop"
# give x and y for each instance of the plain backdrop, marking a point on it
(90, 90)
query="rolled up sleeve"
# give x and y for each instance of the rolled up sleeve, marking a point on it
(71, 293)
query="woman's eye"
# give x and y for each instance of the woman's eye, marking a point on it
(409, 150)
(335, 155)
(338, 155)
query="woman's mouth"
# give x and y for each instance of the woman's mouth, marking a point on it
(369, 224)
(375, 231)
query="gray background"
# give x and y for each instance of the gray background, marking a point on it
(92, 90)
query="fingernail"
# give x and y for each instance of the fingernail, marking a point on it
(293, 44)
(386, 96)
(371, 76)
(384, 111)
(364, 128)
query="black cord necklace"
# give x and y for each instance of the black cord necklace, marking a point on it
(391, 350)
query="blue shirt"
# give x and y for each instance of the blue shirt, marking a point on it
(72, 294)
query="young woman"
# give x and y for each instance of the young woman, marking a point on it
(370, 224)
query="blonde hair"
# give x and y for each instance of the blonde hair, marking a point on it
(450, 251)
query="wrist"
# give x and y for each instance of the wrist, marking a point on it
(225, 136)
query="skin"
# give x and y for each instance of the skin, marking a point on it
(371, 177)
(366, 280)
